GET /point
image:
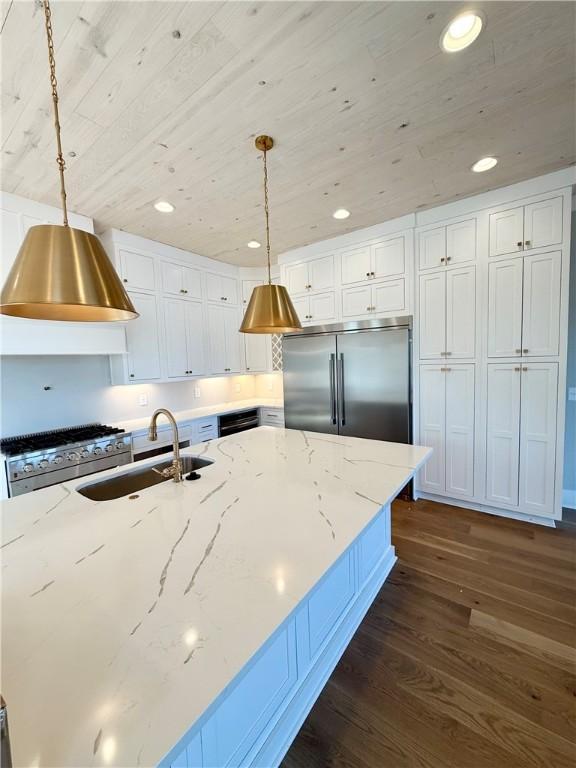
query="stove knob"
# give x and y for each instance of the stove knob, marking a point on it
(119, 446)
(109, 448)
(97, 451)
(28, 467)
(43, 464)
(73, 456)
(84, 454)
(58, 459)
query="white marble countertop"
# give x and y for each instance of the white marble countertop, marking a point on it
(136, 425)
(123, 620)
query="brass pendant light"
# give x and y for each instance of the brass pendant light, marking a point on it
(61, 273)
(270, 309)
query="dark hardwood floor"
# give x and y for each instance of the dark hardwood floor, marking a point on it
(467, 658)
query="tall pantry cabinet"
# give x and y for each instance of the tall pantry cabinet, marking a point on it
(490, 352)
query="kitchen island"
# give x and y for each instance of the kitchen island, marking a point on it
(195, 623)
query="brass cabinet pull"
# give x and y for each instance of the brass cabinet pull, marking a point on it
(524, 351)
(524, 368)
(527, 243)
(519, 244)
(373, 274)
(518, 351)
(448, 258)
(131, 375)
(517, 368)
(442, 260)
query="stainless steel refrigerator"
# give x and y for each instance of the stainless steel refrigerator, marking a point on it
(350, 379)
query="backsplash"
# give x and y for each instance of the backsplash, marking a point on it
(40, 393)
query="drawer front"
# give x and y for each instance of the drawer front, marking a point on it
(328, 602)
(272, 417)
(205, 429)
(243, 716)
(373, 544)
(140, 443)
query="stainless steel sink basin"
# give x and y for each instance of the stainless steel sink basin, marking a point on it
(126, 483)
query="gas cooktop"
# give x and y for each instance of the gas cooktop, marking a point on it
(55, 438)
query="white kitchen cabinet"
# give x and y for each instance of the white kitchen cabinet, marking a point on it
(142, 339)
(447, 425)
(461, 312)
(138, 270)
(257, 352)
(386, 258)
(433, 426)
(460, 429)
(447, 322)
(541, 304)
(306, 276)
(503, 433)
(379, 299)
(448, 245)
(179, 280)
(524, 306)
(316, 308)
(247, 288)
(538, 438)
(221, 288)
(184, 338)
(526, 227)
(224, 339)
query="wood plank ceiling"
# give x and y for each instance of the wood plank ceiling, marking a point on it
(163, 99)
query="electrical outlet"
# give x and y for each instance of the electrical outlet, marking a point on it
(196, 391)
(571, 393)
(143, 399)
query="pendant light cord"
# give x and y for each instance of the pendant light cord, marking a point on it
(267, 213)
(53, 82)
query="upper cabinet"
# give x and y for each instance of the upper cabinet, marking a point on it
(383, 259)
(448, 245)
(178, 280)
(221, 288)
(317, 308)
(525, 227)
(184, 328)
(224, 339)
(447, 313)
(309, 276)
(138, 270)
(142, 340)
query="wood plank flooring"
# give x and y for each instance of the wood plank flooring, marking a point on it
(467, 658)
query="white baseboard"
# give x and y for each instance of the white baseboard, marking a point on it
(497, 511)
(569, 498)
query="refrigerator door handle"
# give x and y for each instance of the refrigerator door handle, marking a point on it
(341, 389)
(332, 364)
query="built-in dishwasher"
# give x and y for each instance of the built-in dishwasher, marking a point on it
(231, 423)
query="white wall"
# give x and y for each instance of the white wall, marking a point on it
(570, 436)
(80, 392)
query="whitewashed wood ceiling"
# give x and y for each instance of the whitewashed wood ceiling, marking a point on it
(163, 100)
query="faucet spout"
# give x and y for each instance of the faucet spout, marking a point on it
(175, 470)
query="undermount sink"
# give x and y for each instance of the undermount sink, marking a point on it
(126, 483)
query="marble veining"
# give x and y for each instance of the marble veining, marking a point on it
(124, 620)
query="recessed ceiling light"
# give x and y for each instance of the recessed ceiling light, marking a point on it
(341, 213)
(461, 32)
(164, 206)
(253, 244)
(485, 164)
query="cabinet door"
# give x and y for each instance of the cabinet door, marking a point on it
(257, 352)
(176, 332)
(460, 429)
(461, 312)
(302, 307)
(195, 338)
(233, 340)
(247, 288)
(137, 270)
(213, 287)
(192, 283)
(503, 433)
(538, 438)
(507, 231)
(357, 301)
(172, 278)
(229, 287)
(433, 426)
(432, 302)
(356, 265)
(389, 258)
(216, 338)
(389, 297)
(322, 307)
(505, 308)
(432, 248)
(142, 339)
(321, 273)
(541, 304)
(461, 242)
(297, 277)
(543, 223)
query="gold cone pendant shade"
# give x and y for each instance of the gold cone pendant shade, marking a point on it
(62, 273)
(270, 309)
